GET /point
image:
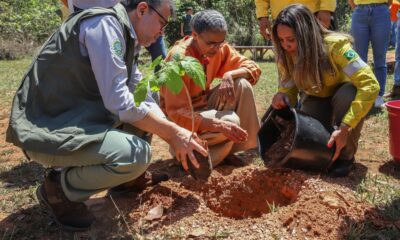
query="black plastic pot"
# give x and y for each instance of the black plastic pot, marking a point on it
(308, 151)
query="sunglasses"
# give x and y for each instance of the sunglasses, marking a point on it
(161, 16)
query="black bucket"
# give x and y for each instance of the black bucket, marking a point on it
(307, 151)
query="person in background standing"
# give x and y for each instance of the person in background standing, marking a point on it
(394, 9)
(186, 30)
(371, 23)
(322, 9)
(395, 91)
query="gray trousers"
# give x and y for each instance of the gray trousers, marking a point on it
(330, 112)
(119, 158)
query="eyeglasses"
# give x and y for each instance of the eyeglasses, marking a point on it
(213, 44)
(161, 16)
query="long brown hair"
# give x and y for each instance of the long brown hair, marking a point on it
(312, 57)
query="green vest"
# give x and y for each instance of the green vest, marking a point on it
(58, 107)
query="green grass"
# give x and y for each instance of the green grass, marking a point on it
(378, 189)
(11, 73)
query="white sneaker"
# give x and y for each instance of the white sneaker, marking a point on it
(379, 103)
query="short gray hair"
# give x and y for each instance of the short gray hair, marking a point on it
(208, 20)
(132, 4)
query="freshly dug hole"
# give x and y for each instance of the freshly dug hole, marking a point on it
(251, 193)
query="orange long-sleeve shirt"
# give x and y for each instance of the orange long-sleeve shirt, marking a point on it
(177, 107)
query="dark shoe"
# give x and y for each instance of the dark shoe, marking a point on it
(139, 184)
(341, 168)
(394, 93)
(236, 161)
(70, 216)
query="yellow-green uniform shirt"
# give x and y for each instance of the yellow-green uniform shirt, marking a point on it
(348, 68)
(358, 2)
(276, 6)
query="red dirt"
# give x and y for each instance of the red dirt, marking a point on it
(251, 202)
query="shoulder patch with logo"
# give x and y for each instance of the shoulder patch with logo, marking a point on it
(116, 47)
(350, 54)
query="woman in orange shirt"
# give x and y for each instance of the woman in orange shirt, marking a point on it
(225, 115)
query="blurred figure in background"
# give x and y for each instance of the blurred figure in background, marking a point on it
(395, 91)
(186, 30)
(370, 23)
(323, 10)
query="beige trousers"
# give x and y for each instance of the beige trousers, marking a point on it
(242, 112)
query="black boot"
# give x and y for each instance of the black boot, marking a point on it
(341, 168)
(70, 216)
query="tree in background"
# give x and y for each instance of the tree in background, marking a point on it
(25, 24)
(239, 14)
(343, 15)
(28, 19)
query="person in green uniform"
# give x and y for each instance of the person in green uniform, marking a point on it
(74, 111)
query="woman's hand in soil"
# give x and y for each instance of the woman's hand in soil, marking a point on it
(233, 132)
(226, 90)
(280, 100)
(339, 137)
(184, 145)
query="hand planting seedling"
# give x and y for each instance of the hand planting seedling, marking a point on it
(170, 75)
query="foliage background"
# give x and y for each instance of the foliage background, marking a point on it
(25, 24)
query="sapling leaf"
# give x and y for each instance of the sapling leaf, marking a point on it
(173, 80)
(177, 57)
(140, 92)
(154, 84)
(194, 70)
(155, 63)
(170, 75)
(181, 70)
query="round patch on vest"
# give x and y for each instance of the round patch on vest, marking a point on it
(117, 47)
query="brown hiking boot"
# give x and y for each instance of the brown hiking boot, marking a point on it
(394, 93)
(145, 180)
(70, 216)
